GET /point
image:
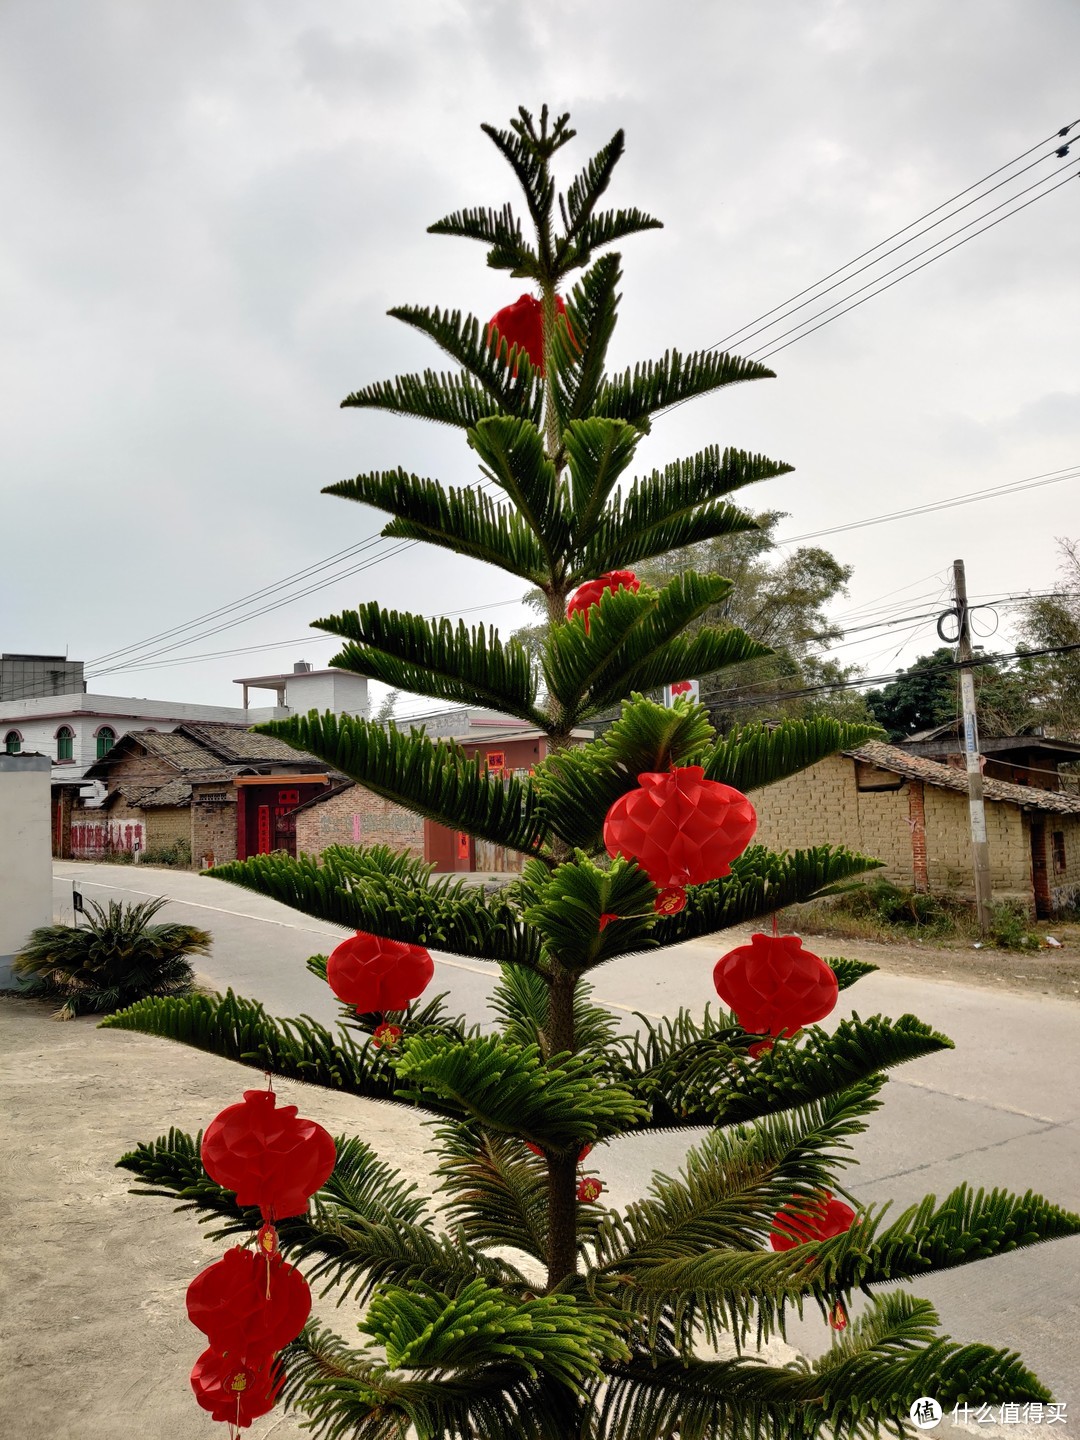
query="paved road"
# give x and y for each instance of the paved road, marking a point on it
(1003, 1109)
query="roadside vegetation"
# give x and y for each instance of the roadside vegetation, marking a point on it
(115, 957)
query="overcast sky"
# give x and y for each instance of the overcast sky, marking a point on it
(208, 209)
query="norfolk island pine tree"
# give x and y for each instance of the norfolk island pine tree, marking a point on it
(507, 1307)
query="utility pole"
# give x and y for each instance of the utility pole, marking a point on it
(979, 843)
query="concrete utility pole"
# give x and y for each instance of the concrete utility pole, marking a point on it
(979, 844)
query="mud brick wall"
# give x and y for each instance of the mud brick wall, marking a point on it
(355, 816)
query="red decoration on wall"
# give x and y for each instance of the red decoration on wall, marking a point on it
(681, 828)
(522, 325)
(591, 593)
(235, 1391)
(821, 1219)
(269, 1156)
(682, 687)
(774, 986)
(589, 1189)
(376, 974)
(249, 1304)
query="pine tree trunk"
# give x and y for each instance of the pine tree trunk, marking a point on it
(562, 1169)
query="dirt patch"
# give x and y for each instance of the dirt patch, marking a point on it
(1025, 972)
(96, 1340)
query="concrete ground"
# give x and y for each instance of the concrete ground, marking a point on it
(94, 1330)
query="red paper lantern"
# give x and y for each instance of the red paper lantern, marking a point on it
(386, 1036)
(591, 593)
(821, 1219)
(522, 325)
(774, 986)
(680, 828)
(234, 1390)
(589, 1189)
(269, 1156)
(376, 974)
(249, 1304)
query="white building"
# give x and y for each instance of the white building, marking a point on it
(76, 730)
(303, 688)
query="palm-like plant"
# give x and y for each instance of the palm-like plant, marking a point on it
(114, 959)
(514, 1308)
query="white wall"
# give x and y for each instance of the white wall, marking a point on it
(25, 854)
(321, 690)
(38, 720)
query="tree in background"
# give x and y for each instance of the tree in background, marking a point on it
(927, 694)
(520, 1305)
(1053, 622)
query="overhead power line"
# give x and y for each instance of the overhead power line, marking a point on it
(784, 304)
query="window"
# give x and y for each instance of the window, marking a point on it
(12, 743)
(65, 743)
(1059, 851)
(106, 739)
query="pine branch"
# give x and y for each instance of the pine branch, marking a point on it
(598, 451)
(718, 1213)
(760, 882)
(756, 755)
(658, 384)
(605, 229)
(966, 1227)
(480, 1326)
(559, 1104)
(588, 185)
(367, 1224)
(372, 888)
(498, 1190)
(677, 506)
(437, 658)
(501, 229)
(466, 521)
(434, 779)
(865, 1382)
(711, 1083)
(345, 1393)
(241, 1030)
(512, 383)
(447, 399)
(512, 450)
(577, 895)
(580, 347)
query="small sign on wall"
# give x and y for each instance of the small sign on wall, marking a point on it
(496, 762)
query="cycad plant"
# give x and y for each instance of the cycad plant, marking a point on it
(117, 956)
(517, 1304)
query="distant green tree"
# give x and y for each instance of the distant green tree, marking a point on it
(927, 694)
(1051, 621)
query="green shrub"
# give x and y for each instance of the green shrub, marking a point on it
(115, 958)
(176, 856)
(1010, 926)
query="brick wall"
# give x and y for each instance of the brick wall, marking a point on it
(164, 825)
(213, 824)
(357, 817)
(824, 806)
(948, 846)
(920, 832)
(1064, 884)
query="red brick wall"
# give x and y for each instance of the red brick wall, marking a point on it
(355, 816)
(917, 821)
